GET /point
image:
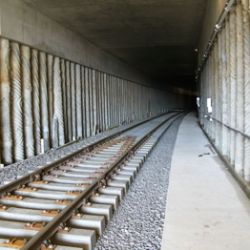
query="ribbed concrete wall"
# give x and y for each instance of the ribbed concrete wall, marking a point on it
(225, 79)
(47, 101)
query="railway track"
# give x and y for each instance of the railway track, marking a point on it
(67, 203)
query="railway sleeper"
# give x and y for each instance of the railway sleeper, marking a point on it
(98, 209)
(93, 222)
(106, 199)
(57, 186)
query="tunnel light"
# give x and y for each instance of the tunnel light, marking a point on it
(42, 146)
(198, 101)
(209, 106)
(217, 27)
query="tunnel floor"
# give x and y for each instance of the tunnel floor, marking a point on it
(138, 223)
(206, 208)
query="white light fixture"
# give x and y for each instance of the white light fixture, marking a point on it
(209, 106)
(198, 101)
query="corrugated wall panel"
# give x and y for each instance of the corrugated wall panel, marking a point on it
(229, 78)
(47, 101)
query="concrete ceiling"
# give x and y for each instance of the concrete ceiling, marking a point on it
(157, 37)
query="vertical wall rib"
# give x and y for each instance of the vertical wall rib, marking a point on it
(64, 98)
(84, 122)
(87, 104)
(6, 146)
(224, 95)
(50, 97)
(232, 56)
(78, 102)
(27, 101)
(239, 149)
(73, 100)
(44, 106)
(69, 102)
(58, 121)
(94, 103)
(246, 33)
(17, 101)
(36, 100)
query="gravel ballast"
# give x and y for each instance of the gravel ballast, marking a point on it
(14, 171)
(138, 223)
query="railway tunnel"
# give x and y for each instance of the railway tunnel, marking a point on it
(124, 124)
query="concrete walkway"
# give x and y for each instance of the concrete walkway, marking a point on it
(206, 209)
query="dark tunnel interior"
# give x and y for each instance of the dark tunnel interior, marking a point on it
(158, 38)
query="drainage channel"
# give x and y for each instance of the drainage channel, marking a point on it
(68, 206)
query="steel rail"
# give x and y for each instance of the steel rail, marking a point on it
(50, 229)
(33, 176)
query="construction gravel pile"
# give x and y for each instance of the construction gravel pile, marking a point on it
(138, 223)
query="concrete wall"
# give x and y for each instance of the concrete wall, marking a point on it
(225, 80)
(47, 101)
(23, 24)
(56, 87)
(212, 13)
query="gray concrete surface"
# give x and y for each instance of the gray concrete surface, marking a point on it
(211, 16)
(24, 24)
(206, 209)
(157, 37)
(138, 222)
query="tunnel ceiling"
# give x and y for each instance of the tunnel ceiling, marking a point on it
(157, 37)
